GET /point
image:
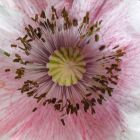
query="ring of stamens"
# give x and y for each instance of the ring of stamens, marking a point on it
(66, 66)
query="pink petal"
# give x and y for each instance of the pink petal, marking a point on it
(32, 6)
(45, 124)
(96, 8)
(29, 7)
(35, 6)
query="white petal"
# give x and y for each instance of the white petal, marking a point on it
(11, 23)
(134, 15)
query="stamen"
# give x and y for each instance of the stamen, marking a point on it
(7, 54)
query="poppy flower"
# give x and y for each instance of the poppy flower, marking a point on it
(69, 69)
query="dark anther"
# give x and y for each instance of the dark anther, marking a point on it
(7, 70)
(63, 122)
(34, 109)
(43, 15)
(57, 106)
(102, 47)
(96, 37)
(13, 45)
(99, 101)
(7, 54)
(75, 22)
(53, 100)
(92, 110)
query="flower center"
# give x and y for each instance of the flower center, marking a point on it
(66, 66)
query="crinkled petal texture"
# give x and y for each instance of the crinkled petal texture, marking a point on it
(109, 122)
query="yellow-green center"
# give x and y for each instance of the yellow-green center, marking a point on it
(66, 66)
